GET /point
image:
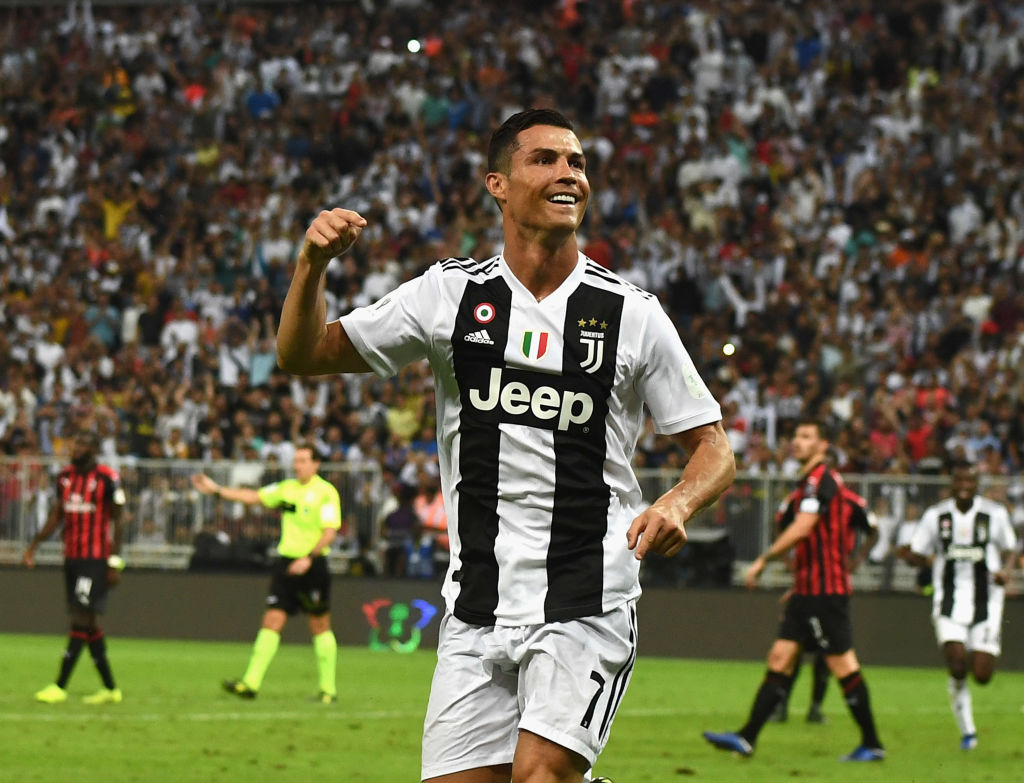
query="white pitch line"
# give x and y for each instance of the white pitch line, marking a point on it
(315, 713)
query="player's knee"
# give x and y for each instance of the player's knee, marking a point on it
(983, 676)
(538, 759)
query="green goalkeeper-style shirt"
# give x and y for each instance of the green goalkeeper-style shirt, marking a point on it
(308, 508)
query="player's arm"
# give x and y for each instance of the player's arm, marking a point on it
(868, 525)
(301, 565)
(1002, 576)
(868, 542)
(801, 526)
(306, 343)
(1008, 550)
(115, 563)
(920, 551)
(708, 473)
(52, 523)
(208, 486)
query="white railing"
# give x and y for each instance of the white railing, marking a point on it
(170, 524)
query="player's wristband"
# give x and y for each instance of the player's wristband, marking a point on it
(116, 562)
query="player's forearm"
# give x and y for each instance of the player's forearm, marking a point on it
(238, 495)
(52, 522)
(791, 536)
(325, 540)
(302, 332)
(862, 551)
(912, 557)
(117, 522)
(708, 473)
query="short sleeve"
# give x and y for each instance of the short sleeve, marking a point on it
(1004, 537)
(923, 540)
(116, 489)
(271, 495)
(393, 332)
(668, 381)
(330, 508)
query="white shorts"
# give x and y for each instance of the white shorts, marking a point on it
(981, 637)
(563, 681)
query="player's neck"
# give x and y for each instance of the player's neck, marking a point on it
(810, 465)
(540, 262)
(963, 506)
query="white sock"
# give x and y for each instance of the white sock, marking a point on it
(960, 701)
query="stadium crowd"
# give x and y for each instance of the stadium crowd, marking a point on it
(825, 195)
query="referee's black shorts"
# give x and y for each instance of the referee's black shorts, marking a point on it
(818, 622)
(309, 592)
(85, 583)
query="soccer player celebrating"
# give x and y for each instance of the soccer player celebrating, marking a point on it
(542, 361)
(89, 503)
(310, 522)
(968, 541)
(817, 523)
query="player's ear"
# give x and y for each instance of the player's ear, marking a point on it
(497, 184)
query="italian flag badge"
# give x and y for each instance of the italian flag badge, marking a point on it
(535, 344)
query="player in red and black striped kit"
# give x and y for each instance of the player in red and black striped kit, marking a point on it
(817, 523)
(88, 504)
(860, 524)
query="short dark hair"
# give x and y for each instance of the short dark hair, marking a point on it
(88, 438)
(818, 424)
(962, 464)
(503, 140)
(308, 445)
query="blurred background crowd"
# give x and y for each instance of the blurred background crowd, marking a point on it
(826, 196)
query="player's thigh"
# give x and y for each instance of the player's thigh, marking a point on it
(829, 622)
(473, 711)
(313, 588)
(948, 632)
(283, 594)
(986, 636)
(85, 585)
(844, 664)
(573, 677)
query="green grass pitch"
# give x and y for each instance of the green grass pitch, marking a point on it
(175, 724)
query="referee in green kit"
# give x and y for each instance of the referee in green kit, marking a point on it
(310, 521)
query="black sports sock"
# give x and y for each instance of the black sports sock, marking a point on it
(774, 688)
(76, 640)
(98, 648)
(856, 692)
(821, 675)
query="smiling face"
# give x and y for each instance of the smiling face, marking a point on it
(964, 484)
(546, 187)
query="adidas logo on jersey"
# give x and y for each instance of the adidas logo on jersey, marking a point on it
(479, 337)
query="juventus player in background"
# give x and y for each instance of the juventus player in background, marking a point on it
(89, 503)
(816, 522)
(542, 363)
(969, 542)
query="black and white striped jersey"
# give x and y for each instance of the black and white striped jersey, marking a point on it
(539, 408)
(968, 550)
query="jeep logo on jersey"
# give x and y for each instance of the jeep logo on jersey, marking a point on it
(546, 405)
